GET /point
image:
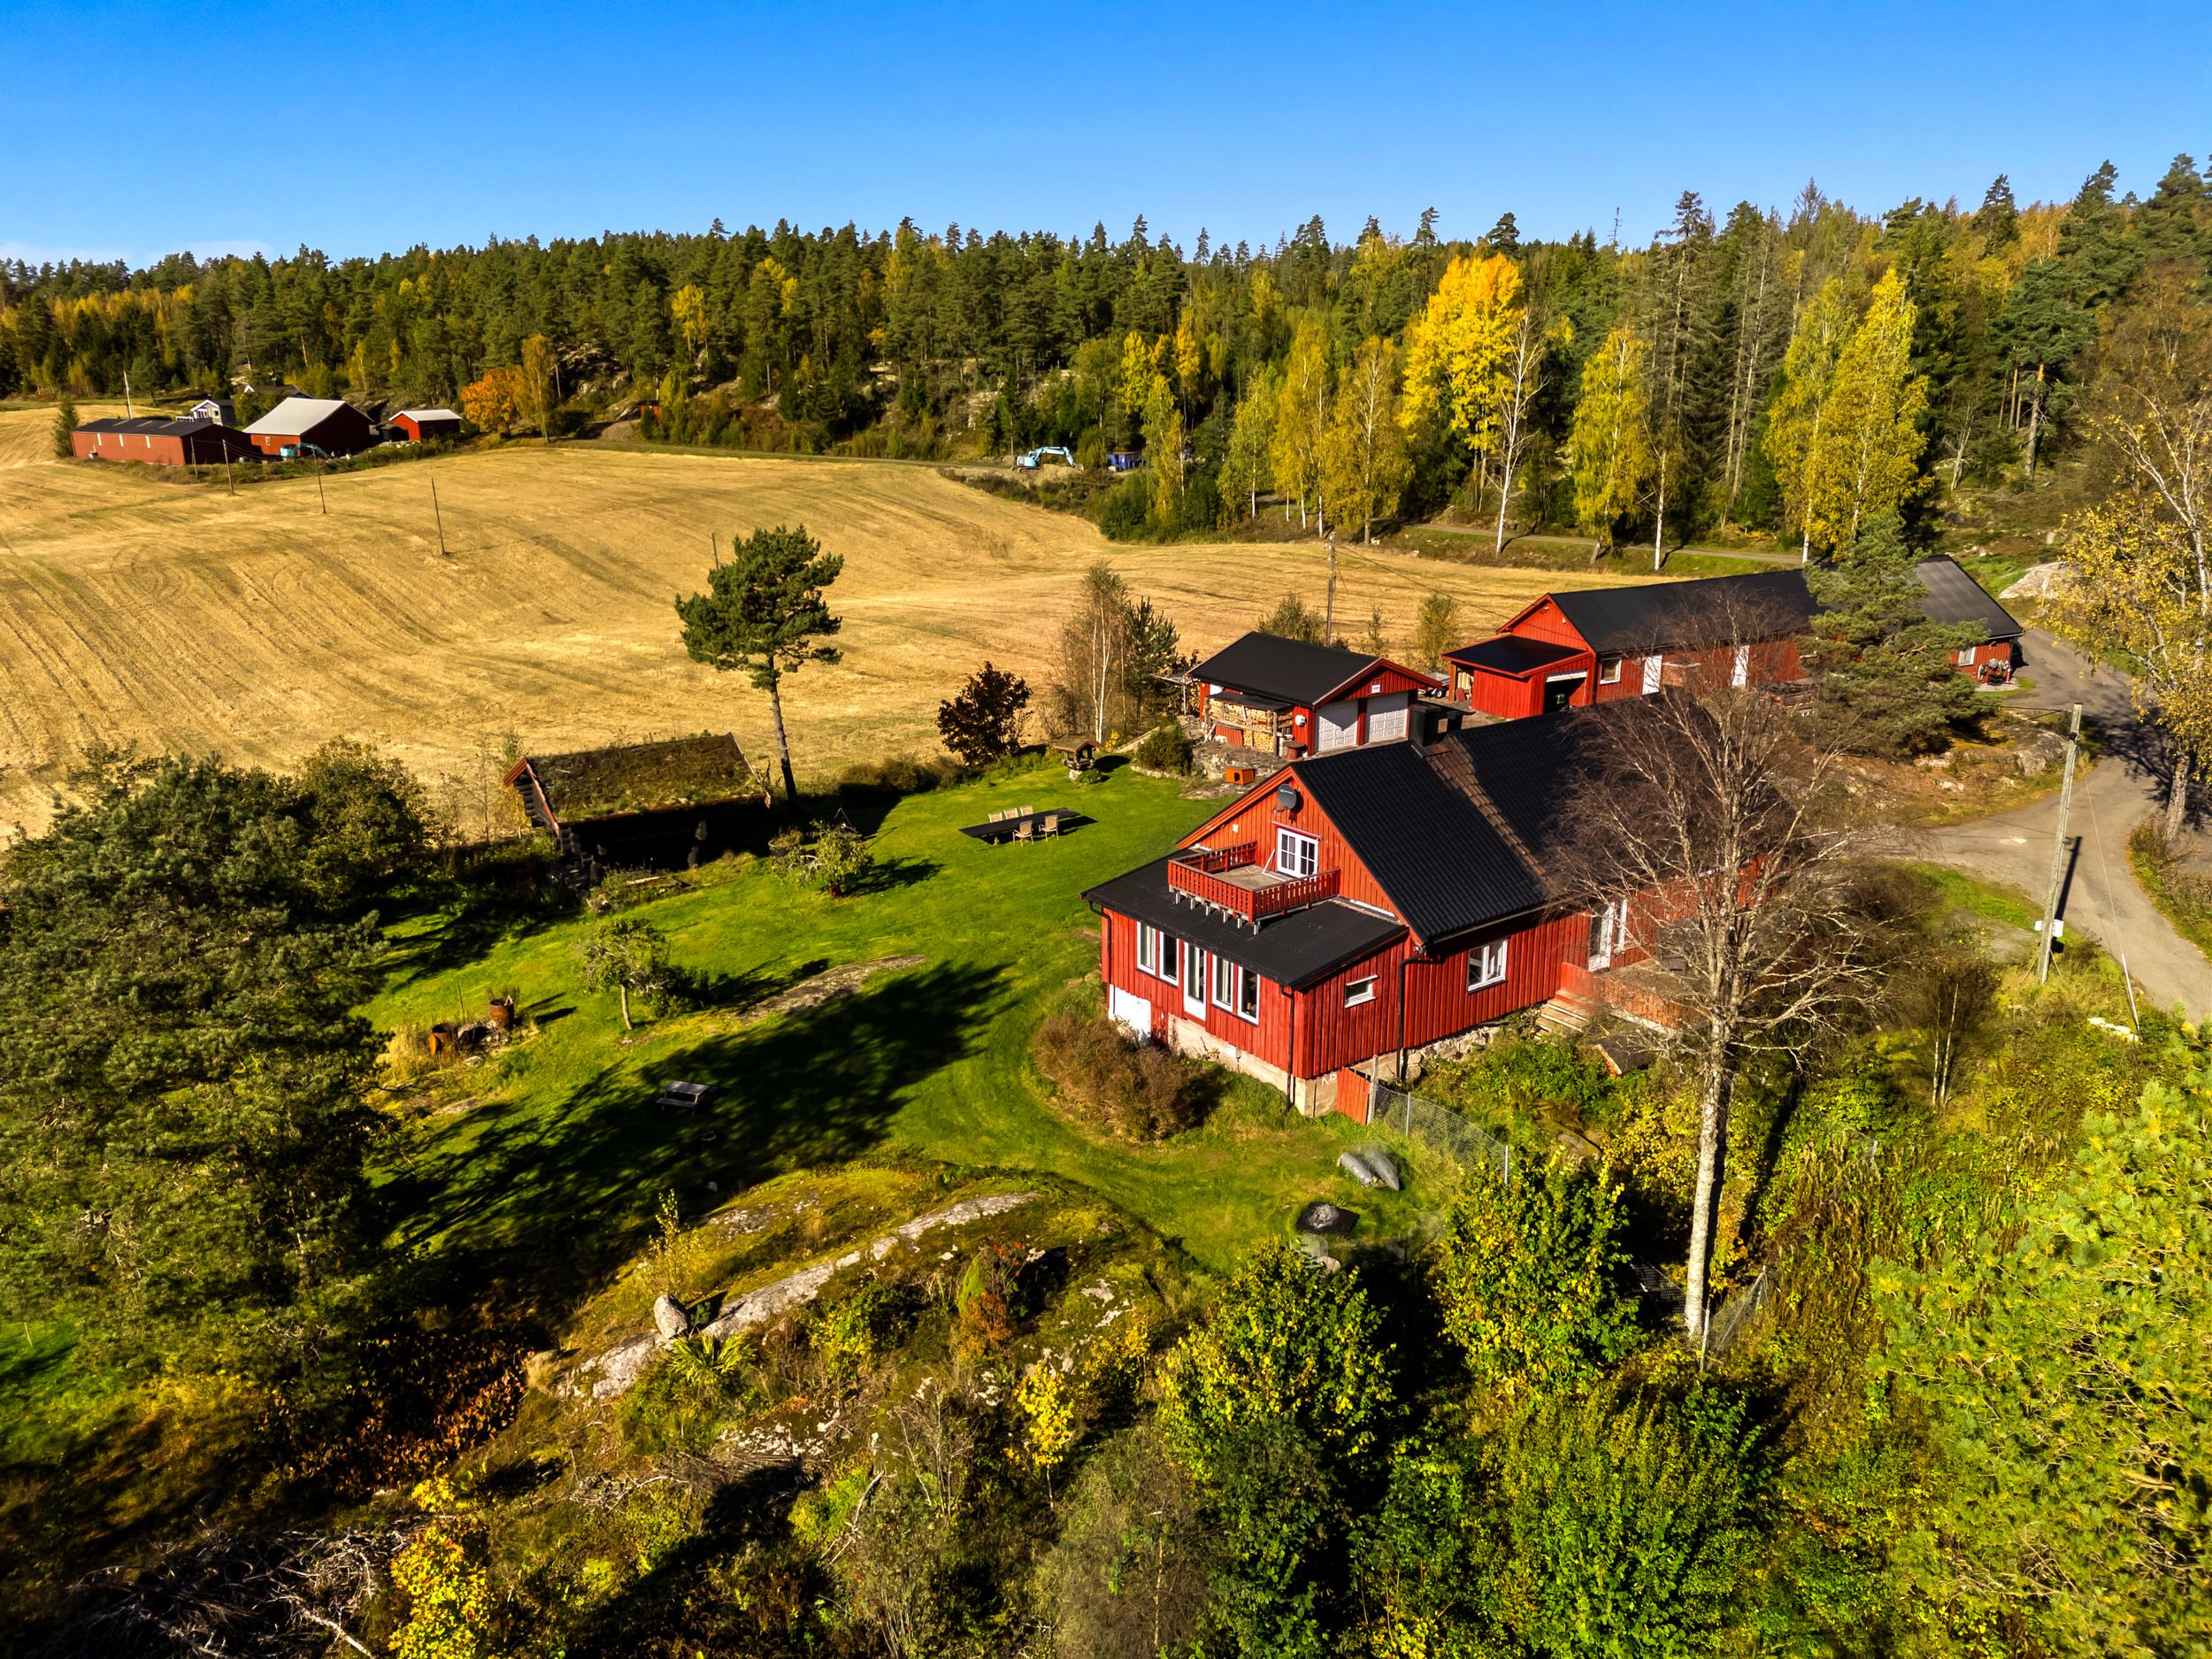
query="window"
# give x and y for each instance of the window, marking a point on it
(1966, 658)
(1609, 671)
(1486, 964)
(1237, 989)
(1147, 948)
(1358, 991)
(1296, 854)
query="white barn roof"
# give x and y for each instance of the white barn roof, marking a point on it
(297, 415)
(428, 414)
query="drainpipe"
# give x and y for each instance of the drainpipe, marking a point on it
(1404, 962)
(1290, 1069)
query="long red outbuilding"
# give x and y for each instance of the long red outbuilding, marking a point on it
(162, 441)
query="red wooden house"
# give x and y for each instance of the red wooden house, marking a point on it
(1361, 905)
(416, 425)
(1572, 650)
(1289, 698)
(189, 441)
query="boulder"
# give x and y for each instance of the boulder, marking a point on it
(669, 1317)
(1323, 1217)
(2037, 581)
(1385, 1168)
(2038, 752)
(1356, 1167)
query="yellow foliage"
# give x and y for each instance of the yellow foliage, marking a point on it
(449, 1599)
(1459, 350)
(1047, 1403)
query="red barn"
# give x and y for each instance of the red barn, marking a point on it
(417, 424)
(189, 441)
(311, 425)
(1287, 697)
(1954, 598)
(1572, 650)
(1361, 905)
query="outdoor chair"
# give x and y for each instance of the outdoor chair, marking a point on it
(1051, 825)
(995, 817)
(1025, 831)
(1027, 810)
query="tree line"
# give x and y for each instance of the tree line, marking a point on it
(1784, 370)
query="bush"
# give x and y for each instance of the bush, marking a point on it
(1129, 1088)
(851, 1334)
(1124, 510)
(834, 859)
(1165, 749)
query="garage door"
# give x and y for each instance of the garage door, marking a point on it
(1387, 719)
(1339, 726)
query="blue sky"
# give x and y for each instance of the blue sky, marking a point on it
(132, 129)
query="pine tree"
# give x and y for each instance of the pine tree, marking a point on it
(65, 428)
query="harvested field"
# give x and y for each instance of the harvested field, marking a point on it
(133, 610)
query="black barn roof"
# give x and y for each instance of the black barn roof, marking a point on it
(153, 425)
(1689, 614)
(1954, 596)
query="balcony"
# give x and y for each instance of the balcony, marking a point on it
(1231, 881)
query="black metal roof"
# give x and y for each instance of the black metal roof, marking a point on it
(178, 427)
(1689, 614)
(1292, 949)
(1954, 598)
(1292, 670)
(1510, 654)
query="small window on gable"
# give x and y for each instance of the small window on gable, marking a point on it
(1297, 855)
(1358, 991)
(1486, 964)
(1609, 671)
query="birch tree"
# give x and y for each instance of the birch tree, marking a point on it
(1707, 819)
(1794, 422)
(1301, 423)
(1458, 352)
(1868, 452)
(1366, 463)
(1248, 465)
(1532, 342)
(1608, 449)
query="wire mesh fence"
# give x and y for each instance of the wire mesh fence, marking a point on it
(1438, 1128)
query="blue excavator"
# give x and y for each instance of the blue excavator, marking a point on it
(1035, 458)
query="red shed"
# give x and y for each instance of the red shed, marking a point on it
(1572, 650)
(1362, 904)
(189, 442)
(311, 425)
(1288, 697)
(419, 424)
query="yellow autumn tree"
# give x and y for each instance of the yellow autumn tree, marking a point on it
(1867, 457)
(688, 310)
(1364, 462)
(1608, 446)
(1164, 448)
(1190, 358)
(1301, 422)
(1459, 351)
(1794, 422)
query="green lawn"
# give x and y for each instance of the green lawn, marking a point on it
(553, 1169)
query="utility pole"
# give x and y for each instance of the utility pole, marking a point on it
(2058, 855)
(129, 412)
(440, 516)
(1328, 620)
(320, 500)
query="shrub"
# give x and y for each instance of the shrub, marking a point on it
(980, 724)
(1519, 1075)
(1134, 1089)
(834, 859)
(849, 1335)
(1124, 510)
(1165, 749)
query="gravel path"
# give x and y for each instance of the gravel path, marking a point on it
(2101, 897)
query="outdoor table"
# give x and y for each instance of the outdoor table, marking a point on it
(1003, 830)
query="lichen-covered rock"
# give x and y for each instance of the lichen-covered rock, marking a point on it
(669, 1317)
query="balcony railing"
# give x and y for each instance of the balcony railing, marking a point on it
(1212, 878)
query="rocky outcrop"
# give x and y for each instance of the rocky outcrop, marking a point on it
(611, 1374)
(2037, 581)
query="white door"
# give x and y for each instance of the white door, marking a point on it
(1741, 675)
(1386, 718)
(1131, 1011)
(1193, 981)
(1605, 928)
(1653, 665)
(1339, 726)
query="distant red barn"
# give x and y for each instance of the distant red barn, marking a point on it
(311, 425)
(1289, 697)
(419, 424)
(189, 442)
(1572, 650)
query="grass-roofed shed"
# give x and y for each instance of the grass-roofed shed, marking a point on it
(668, 801)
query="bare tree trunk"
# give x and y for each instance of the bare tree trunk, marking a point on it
(783, 738)
(1505, 495)
(623, 991)
(1659, 524)
(2035, 417)
(2177, 800)
(1712, 1151)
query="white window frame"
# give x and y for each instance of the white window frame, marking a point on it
(1966, 658)
(1358, 993)
(1609, 670)
(1486, 964)
(1147, 950)
(1309, 846)
(1242, 980)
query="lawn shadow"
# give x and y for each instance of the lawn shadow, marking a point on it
(888, 875)
(554, 1200)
